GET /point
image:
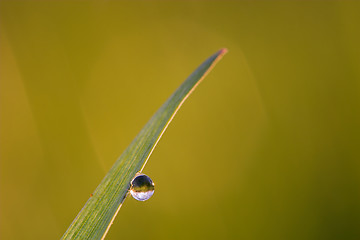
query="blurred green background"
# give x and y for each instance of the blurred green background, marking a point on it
(268, 146)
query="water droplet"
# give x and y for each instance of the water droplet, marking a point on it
(142, 187)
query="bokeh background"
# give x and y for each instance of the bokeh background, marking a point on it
(268, 146)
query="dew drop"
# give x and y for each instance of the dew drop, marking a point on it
(142, 187)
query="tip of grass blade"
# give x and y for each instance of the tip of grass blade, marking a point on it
(223, 51)
(219, 54)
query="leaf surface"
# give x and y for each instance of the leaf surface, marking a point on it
(95, 218)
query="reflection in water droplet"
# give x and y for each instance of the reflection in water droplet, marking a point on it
(142, 187)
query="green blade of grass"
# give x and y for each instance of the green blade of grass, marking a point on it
(95, 218)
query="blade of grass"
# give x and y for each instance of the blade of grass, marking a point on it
(95, 218)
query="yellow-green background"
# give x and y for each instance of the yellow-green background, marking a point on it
(268, 147)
